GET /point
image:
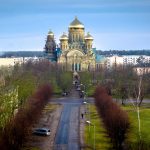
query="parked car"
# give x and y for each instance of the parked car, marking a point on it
(42, 131)
(65, 93)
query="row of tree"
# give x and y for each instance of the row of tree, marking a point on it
(17, 128)
(115, 120)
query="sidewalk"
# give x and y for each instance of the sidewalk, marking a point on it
(81, 127)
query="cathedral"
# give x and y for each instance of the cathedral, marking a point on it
(75, 51)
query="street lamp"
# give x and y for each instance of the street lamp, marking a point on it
(84, 102)
(87, 108)
(82, 84)
(92, 124)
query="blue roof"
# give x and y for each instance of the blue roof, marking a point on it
(99, 58)
(58, 51)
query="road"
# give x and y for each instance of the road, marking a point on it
(67, 136)
(64, 100)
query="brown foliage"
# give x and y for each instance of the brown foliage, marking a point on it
(115, 120)
(18, 128)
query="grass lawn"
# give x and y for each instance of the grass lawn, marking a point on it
(90, 90)
(102, 142)
(133, 136)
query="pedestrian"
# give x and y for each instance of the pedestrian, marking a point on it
(82, 115)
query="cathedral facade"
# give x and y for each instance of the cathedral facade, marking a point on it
(75, 51)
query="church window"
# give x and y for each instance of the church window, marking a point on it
(76, 67)
(88, 67)
(79, 67)
(72, 67)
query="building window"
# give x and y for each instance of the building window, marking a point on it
(72, 67)
(76, 67)
(79, 67)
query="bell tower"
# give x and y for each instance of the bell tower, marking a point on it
(64, 42)
(88, 41)
(76, 31)
(50, 45)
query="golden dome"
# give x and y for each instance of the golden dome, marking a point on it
(64, 37)
(76, 24)
(88, 37)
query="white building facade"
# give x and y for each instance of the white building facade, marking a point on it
(126, 60)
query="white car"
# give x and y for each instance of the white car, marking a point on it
(42, 131)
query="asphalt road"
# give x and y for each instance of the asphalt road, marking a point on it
(67, 136)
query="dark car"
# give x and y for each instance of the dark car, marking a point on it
(41, 131)
(65, 93)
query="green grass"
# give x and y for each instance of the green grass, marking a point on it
(102, 142)
(90, 91)
(133, 135)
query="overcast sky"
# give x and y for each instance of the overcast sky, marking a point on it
(114, 24)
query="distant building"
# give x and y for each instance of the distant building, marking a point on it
(142, 70)
(113, 61)
(10, 61)
(75, 52)
(126, 60)
(17, 60)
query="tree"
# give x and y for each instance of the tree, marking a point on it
(123, 93)
(65, 81)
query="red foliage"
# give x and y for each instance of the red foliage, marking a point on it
(115, 120)
(17, 129)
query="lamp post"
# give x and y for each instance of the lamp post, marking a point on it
(88, 108)
(83, 86)
(92, 124)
